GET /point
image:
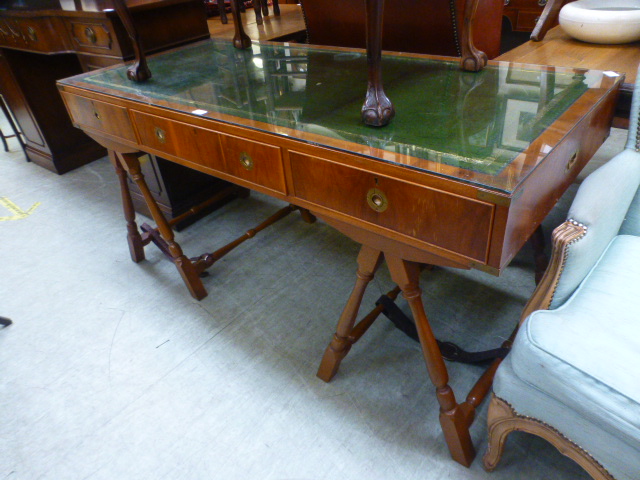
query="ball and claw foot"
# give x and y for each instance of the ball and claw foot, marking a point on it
(377, 110)
(475, 62)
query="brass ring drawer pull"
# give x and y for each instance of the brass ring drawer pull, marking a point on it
(377, 200)
(32, 34)
(160, 135)
(90, 33)
(246, 161)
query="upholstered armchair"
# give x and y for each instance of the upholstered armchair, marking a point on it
(573, 374)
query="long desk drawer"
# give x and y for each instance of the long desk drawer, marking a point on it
(420, 212)
(253, 162)
(37, 34)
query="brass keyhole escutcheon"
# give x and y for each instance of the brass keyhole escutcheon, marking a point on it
(32, 34)
(246, 161)
(160, 135)
(90, 33)
(377, 200)
(97, 115)
(572, 160)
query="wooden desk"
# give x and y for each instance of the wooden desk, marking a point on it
(559, 49)
(466, 172)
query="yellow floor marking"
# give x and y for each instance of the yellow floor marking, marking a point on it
(18, 212)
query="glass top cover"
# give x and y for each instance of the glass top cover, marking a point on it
(469, 126)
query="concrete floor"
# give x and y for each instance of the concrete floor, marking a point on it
(112, 371)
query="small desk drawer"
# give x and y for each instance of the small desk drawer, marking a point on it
(458, 224)
(194, 144)
(255, 162)
(103, 117)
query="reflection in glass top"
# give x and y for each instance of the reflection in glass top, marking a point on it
(446, 119)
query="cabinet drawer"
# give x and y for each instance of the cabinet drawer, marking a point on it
(34, 34)
(527, 20)
(103, 117)
(194, 144)
(93, 36)
(458, 224)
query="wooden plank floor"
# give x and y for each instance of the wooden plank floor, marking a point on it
(289, 23)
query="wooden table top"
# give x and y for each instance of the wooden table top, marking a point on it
(559, 49)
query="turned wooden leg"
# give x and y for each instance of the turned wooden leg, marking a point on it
(472, 59)
(240, 39)
(265, 7)
(368, 262)
(276, 7)
(377, 109)
(454, 418)
(136, 246)
(257, 8)
(186, 268)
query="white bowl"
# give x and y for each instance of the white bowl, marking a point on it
(602, 21)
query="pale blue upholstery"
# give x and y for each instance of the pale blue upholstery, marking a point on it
(585, 356)
(576, 366)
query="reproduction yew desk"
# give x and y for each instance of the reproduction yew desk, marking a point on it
(464, 174)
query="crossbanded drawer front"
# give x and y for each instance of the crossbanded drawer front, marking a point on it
(93, 37)
(254, 162)
(458, 224)
(100, 116)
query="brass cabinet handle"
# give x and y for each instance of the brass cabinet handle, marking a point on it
(246, 161)
(160, 135)
(572, 160)
(91, 35)
(31, 33)
(377, 200)
(542, 3)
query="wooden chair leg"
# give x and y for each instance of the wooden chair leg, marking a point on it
(276, 7)
(240, 38)
(455, 419)
(222, 8)
(136, 246)
(257, 8)
(185, 267)
(368, 262)
(502, 419)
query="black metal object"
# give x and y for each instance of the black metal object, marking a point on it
(449, 350)
(5, 322)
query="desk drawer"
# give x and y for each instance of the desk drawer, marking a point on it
(103, 117)
(458, 224)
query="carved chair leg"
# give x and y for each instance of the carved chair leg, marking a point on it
(368, 262)
(139, 71)
(454, 418)
(502, 420)
(276, 7)
(240, 38)
(136, 245)
(257, 8)
(265, 7)
(186, 268)
(546, 20)
(377, 109)
(472, 59)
